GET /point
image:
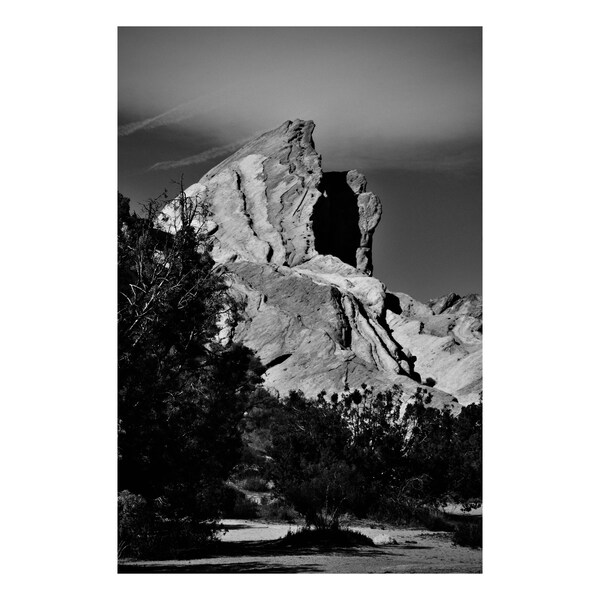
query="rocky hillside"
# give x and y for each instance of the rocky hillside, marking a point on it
(296, 242)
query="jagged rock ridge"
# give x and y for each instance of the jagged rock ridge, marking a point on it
(296, 243)
(273, 204)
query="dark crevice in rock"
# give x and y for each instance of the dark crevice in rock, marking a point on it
(392, 303)
(269, 255)
(335, 218)
(277, 361)
(343, 326)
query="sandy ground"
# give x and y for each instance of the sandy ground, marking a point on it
(247, 548)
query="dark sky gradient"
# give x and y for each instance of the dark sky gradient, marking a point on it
(402, 105)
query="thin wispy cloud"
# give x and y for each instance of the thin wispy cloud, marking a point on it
(195, 159)
(174, 115)
(177, 114)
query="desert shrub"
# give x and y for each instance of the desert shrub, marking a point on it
(447, 449)
(469, 534)
(144, 531)
(338, 455)
(410, 511)
(326, 538)
(465, 469)
(356, 453)
(309, 467)
(180, 538)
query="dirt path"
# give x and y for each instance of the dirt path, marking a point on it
(247, 548)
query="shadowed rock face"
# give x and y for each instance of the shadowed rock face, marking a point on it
(297, 244)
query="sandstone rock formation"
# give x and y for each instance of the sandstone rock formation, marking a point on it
(296, 243)
(272, 203)
(446, 335)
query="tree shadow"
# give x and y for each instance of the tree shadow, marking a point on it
(255, 551)
(278, 547)
(239, 567)
(230, 527)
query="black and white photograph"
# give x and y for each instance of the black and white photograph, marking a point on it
(300, 314)
(261, 371)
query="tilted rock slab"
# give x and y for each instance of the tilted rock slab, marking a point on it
(296, 243)
(446, 335)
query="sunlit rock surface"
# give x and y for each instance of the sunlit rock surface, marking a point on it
(446, 335)
(272, 203)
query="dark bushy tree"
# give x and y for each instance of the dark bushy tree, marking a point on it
(310, 464)
(466, 467)
(448, 449)
(181, 393)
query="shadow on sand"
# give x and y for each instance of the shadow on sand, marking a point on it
(255, 550)
(240, 567)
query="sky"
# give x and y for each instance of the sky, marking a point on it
(401, 105)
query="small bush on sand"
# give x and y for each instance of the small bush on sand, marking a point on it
(327, 538)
